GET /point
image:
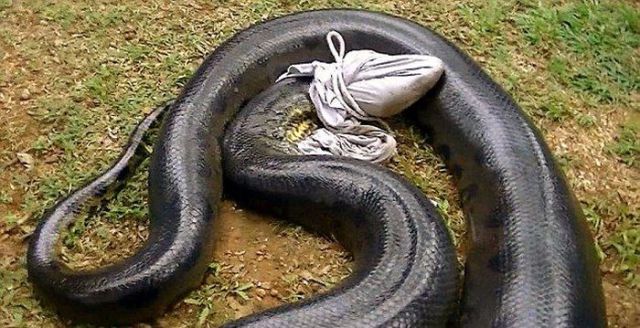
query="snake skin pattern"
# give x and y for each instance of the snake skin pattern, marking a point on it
(531, 261)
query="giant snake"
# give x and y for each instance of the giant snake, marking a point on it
(531, 260)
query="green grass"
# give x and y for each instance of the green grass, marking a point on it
(596, 44)
(95, 68)
(627, 243)
(627, 147)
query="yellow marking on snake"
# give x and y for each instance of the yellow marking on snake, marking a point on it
(299, 124)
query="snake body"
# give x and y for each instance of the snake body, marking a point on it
(531, 260)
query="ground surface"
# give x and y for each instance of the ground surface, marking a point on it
(75, 76)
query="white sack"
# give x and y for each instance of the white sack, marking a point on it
(364, 85)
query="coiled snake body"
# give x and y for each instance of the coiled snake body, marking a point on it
(531, 261)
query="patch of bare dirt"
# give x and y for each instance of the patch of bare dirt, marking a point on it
(594, 170)
(623, 309)
(261, 263)
(9, 247)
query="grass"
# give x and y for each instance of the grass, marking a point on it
(600, 37)
(75, 77)
(627, 244)
(627, 147)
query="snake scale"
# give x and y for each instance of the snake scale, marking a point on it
(531, 260)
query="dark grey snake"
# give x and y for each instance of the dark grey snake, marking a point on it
(531, 261)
